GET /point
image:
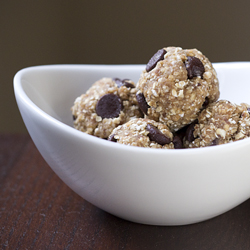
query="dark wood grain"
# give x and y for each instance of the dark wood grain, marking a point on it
(38, 211)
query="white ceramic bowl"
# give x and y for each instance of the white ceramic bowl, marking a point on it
(151, 186)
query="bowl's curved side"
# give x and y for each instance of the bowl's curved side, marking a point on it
(160, 187)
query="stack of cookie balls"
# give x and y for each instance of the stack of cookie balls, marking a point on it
(173, 105)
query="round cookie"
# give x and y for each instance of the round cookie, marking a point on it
(221, 122)
(107, 104)
(145, 133)
(176, 85)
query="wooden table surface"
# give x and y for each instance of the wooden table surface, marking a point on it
(38, 211)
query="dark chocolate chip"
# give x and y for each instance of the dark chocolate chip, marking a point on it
(194, 67)
(156, 135)
(206, 102)
(74, 117)
(124, 82)
(181, 132)
(215, 142)
(143, 105)
(118, 82)
(190, 132)
(128, 84)
(177, 142)
(109, 106)
(158, 56)
(112, 138)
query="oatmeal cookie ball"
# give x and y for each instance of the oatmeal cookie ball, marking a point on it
(146, 133)
(176, 85)
(107, 104)
(221, 122)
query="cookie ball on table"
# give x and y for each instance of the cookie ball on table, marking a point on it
(146, 133)
(221, 122)
(107, 104)
(176, 85)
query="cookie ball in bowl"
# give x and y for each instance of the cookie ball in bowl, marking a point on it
(109, 102)
(142, 132)
(176, 85)
(221, 122)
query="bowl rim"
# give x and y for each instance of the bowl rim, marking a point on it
(24, 98)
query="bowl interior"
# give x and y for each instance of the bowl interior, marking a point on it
(54, 88)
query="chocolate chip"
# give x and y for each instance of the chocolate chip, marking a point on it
(206, 102)
(158, 56)
(143, 105)
(194, 67)
(112, 138)
(109, 106)
(177, 142)
(124, 82)
(190, 132)
(128, 84)
(74, 117)
(118, 82)
(156, 135)
(181, 132)
(215, 142)
(248, 110)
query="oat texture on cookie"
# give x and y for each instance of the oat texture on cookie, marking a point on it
(221, 122)
(108, 103)
(176, 86)
(142, 132)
